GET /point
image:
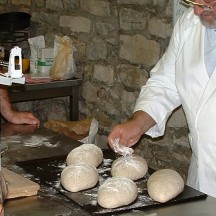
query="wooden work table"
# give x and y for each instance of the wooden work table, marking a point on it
(29, 92)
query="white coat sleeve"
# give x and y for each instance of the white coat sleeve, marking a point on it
(159, 97)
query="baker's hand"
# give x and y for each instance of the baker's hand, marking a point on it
(17, 117)
(127, 134)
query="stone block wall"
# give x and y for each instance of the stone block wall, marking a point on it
(117, 42)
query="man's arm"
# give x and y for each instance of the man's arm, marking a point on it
(129, 132)
(5, 105)
(10, 114)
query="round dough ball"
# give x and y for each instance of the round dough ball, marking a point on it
(163, 185)
(77, 177)
(133, 167)
(86, 153)
(116, 192)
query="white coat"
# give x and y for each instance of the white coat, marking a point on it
(180, 78)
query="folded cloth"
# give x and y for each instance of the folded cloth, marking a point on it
(34, 80)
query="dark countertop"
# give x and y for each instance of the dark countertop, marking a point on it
(24, 142)
(27, 143)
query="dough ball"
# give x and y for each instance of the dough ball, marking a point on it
(133, 167)
(116, 192)
(86, 153)
(77, 177)
(165, 184)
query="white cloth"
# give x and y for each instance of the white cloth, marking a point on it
(180, 78)
(210, 50)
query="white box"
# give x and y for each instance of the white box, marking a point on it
(45, 60)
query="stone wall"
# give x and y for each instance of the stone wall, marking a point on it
(117, 42)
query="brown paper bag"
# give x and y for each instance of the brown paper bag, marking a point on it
(63, 66)
(74, 129)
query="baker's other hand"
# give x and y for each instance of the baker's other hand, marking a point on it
(17, 117)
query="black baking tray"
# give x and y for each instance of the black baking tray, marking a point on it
(48, 171)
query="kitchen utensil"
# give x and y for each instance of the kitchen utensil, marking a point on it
(15, 63)
(14, 73)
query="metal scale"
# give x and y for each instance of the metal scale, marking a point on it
(14, 74)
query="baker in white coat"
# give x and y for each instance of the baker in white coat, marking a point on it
(185, 75)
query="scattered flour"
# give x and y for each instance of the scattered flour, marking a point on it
(36, 140)
(30, 141)
(120, 149)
